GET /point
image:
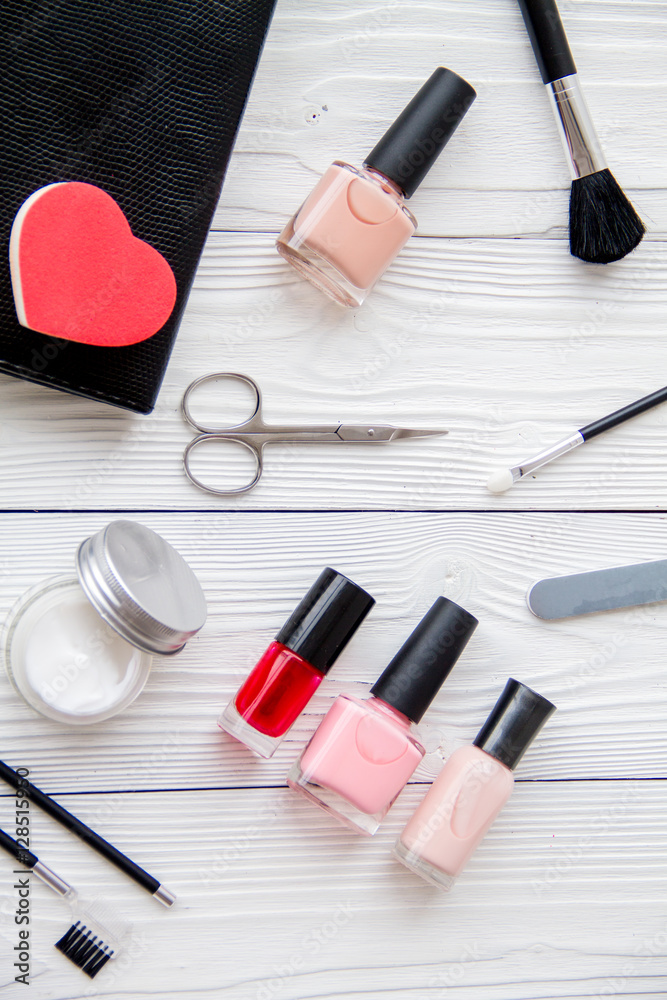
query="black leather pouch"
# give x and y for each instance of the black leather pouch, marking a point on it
(142, 98)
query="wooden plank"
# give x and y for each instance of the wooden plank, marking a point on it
(509, 344)
(353, 68)
(276, 901)
(605, 672)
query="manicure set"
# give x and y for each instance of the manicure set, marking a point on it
(105, 279)
(78, 650)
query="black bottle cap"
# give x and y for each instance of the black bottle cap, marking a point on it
(422, 664)
(408, 150)
(320, 627)
(515, 721)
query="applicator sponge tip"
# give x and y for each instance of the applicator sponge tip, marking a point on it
(500, 481)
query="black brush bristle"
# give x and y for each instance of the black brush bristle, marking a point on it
(603, 224)
(85, 949)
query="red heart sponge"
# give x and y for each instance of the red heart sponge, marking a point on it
(78, 273)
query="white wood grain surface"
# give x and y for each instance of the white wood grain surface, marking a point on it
(511, 345)
(485, 326)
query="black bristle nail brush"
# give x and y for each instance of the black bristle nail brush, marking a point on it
(604, 226)
(89, 943)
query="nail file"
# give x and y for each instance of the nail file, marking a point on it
(599, 590)
(78, 272)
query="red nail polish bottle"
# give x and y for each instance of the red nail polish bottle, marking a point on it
(295, 664)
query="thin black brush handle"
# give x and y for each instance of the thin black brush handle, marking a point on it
(99, 844)
(12, 847)
(620, 416)
(548, 38)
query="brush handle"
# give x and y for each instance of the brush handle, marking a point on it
(99, 844)
(12, 847)
(620, 416)
(31, 861)
(548, 38)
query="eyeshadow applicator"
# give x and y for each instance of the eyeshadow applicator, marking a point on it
(503, 479)
(603, 224)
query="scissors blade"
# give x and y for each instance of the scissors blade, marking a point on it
(406, 432)
(381, 433)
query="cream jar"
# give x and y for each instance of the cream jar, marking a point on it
(78, 649)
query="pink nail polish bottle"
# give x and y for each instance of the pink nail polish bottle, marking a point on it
(472, 788)
(364, 752)
(354, 223)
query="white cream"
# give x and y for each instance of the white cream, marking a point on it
(68, 663)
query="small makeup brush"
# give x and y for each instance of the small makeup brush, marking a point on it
(88, 943)
(603, 224)
(94, 840)
(501, 480)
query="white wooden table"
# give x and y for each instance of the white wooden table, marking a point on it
(485, 325)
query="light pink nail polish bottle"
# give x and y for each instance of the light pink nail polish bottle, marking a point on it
(472, 788)
(354, 223)
(364, 752)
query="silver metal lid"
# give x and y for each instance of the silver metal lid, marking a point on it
(141, 586)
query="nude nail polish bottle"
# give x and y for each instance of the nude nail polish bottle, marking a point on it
(472, 788)
(364, 752)
(354, 223)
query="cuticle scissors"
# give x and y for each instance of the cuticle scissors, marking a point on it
(253, 434)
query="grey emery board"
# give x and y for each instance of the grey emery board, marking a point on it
(599, 590)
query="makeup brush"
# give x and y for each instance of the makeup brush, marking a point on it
(88, 943)
(603, 224)
(501, 480)
(98, 843)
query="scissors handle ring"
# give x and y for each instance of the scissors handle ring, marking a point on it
(185, 402)
(206, 437)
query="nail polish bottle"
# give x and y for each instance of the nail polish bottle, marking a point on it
(289, 673)
(354, 223)
(364, 752)
(472, 788)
